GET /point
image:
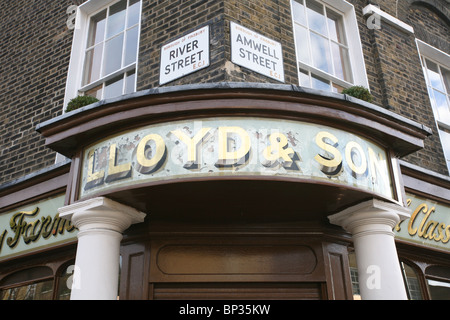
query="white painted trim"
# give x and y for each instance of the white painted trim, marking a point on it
(101, 222)
(438, 56)
(371, 9)
(371, 224)
(433, 53)
(75, 71)
(356, 51)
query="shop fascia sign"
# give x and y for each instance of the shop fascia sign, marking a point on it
(256, 52)
(429, 224)
(232, 147)
(185, 55)
(33, 227)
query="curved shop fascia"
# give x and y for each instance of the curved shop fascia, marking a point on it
(227, 132)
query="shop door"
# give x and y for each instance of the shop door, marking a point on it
(236, 291)
(212, 267)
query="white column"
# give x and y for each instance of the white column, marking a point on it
(371, 224)
(100, 222)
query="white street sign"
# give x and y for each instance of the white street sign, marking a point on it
(256, 52)
(184, 55)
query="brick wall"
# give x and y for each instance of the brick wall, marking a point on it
(34, 55)
(164, 21)
(394, 70)
(271, 19)
(35, 49)
(431, 23)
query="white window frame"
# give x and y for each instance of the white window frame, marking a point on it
(437, 56)
(76, 65)
(356, 56)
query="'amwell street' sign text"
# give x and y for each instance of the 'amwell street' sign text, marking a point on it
(256, 52)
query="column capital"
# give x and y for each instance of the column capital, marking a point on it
(371, 212)
(371, 224)
(100, 222)
(101, 213)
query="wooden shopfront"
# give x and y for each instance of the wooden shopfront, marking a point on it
(236, 183)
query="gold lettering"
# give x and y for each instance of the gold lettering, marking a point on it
(19, 226)
(116, 172)
(447, 233)
(440, 231)
(358, 170)
(148, 158)
(331, 160)
(193, 145)
(278, 150)
(423, 207)
(428, 229)
(34, 230)
(94, 178)
(240, 155)
(378, 168)
(422, 230)
(2, 238)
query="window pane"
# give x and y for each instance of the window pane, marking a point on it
(93, 62)
(320, 83)
(320, 53)
(64, 285)
(113, 55)
(131, 46)
(304, 78)
(116, 19)
(336, 27)
(412, 282)
(114, 88)
(301, 37)
(354, 275)
(95, 92)
(337, 88)
(97, 28)
(341, 61)
(445, 141)
(130, 82)
(299, 12)
(446, 76)
(37, 291)
(441, 105)
(439, 290)
(433, 75)
(133, 13)
(316, 18)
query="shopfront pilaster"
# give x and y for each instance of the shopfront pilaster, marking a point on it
(101, 222)
(371, 224)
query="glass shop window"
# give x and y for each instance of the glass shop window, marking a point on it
(411, 282)
(410, 278)
(438, 281)
(37, 283)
